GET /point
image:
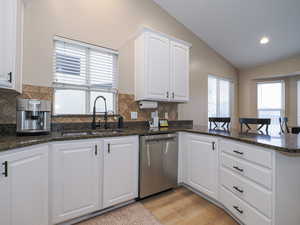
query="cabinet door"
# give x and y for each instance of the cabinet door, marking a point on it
(180, 65)
(11, 38)
(202, 162)
(182, 157)
(120, 181)
(24, 188)
(7, 15)
(75, 181)
(158, 67)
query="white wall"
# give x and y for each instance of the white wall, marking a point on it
(113, 23)
(273, 71)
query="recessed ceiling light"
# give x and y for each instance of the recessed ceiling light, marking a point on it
(264, 40)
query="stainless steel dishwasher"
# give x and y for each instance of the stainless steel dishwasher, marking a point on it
(158, 163)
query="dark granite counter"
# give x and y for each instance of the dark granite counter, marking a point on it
(288, 143)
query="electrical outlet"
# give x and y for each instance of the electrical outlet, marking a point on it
(166, 115)
(134, 115)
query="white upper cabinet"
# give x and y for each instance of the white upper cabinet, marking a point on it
(24, 187)
(161, 68)
(158, 67)
(11, 44)
(121, 170)
(180, 69)
(75, 179)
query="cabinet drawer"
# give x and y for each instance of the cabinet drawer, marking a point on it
(256, 196)
(253, 172)
(241, 210)
(250, 153)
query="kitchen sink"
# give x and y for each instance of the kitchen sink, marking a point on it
(74, 133)
(106, 131)
(91, 132)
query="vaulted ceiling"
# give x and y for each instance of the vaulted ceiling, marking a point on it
(234, 27)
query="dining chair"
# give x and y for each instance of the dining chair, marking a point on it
(283, 121)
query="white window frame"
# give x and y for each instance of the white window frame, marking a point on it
(298, 102)
(231, 94)
(59, 86)
(282, 109)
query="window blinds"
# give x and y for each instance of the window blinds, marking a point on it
(83, 66)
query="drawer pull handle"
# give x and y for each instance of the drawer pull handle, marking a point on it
(238, 209)
(238, 152)
(238, 169)
(96, 150)
(10, 77)
(5, 165)
(213, 145)
(238, 189)
(108, 148)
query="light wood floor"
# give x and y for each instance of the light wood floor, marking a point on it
(183, 207)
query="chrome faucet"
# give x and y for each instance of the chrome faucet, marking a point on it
(94, 125)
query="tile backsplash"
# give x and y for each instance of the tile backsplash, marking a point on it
(126, 104)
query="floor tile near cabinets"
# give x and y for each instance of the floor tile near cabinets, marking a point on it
(178, 207)
(183, 207)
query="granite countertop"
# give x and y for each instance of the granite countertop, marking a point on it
(288, 143)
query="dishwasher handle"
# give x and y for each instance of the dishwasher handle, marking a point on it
(173, 138)
(148, 156)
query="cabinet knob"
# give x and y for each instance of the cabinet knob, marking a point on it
(173, 95)
(108, 148)
(167, 94)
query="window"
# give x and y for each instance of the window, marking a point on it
(219, 97)
(298, 102)
(270, 102)
(81, 73)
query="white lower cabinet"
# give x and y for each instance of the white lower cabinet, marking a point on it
(241, 210)
(258, 197)
(257, 174)
(24, 187)
(120, 178)
(89, 175)
(256, 186)
(75, 179)
(247, 182)
(201, 162)
(239, 176)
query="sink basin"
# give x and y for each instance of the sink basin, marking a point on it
(90, 132)
(106, 131)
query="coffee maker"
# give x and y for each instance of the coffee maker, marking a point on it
(33, 116)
